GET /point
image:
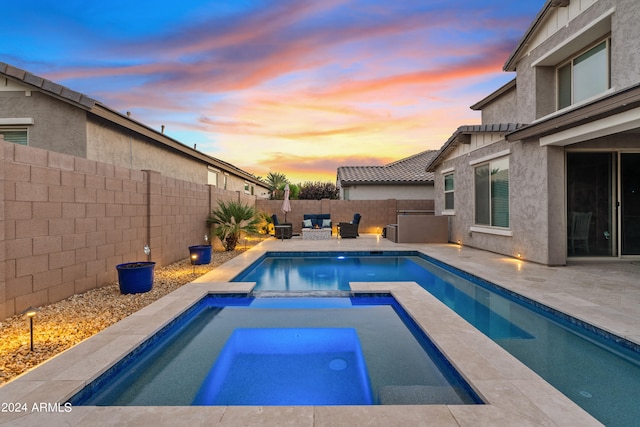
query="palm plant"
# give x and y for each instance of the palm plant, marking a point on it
(231, 219)
(276, 182)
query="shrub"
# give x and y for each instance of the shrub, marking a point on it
(231, 219)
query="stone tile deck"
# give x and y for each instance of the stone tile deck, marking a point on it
(604, 294)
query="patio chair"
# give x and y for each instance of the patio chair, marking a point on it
(350, 229)
(281, 231)
(579, 224)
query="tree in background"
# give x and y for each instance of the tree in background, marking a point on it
(318, 190)
(276, 182)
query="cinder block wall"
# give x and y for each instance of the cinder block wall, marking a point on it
(66, 222)
(375, 213)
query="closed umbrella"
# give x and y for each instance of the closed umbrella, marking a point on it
(286, 205)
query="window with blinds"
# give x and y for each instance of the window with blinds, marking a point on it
(17, 136)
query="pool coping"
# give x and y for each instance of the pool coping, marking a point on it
(512, 392)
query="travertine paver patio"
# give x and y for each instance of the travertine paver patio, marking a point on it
(607, 295)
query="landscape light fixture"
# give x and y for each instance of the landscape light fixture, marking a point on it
(30, 313)
(194, 258)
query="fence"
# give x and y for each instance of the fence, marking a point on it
(376, 214)
(66, 222)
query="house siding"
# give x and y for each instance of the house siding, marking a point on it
(538, 217)
(503, 110)
(110, 144)
(58, 126)
(383, 192)
(528, 214)
(536, 84)
(74, 127)
(626, 33)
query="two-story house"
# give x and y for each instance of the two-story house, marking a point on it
(553, 172)
(40, 113)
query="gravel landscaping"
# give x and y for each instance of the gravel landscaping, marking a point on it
(63, 324)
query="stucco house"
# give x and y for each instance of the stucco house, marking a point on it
(553, 172)
(404, 179)
(40, 113)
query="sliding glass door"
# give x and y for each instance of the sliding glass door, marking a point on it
(603, 204)
(590, 204)
(630, 203)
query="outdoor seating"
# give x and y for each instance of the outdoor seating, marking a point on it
(316, 221)
(281, 230)
(350, 229)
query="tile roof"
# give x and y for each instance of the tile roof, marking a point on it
(47, 86)
(96, 107)
(466, 130)
(410, 170)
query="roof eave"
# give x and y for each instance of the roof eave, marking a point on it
(510, 64)
(349, 183)
(496, 94)
(618, 102)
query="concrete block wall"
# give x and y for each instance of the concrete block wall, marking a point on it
(66, 222)
(376, 214)
(184, 209)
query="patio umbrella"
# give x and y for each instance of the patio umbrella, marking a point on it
(286, 205)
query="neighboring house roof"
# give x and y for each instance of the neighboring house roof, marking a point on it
(461, 135)
(410, 170)
(97, 108)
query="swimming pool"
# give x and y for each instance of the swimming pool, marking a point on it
(241, 350)
(598, 371)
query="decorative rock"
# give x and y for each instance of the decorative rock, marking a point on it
(61, 325)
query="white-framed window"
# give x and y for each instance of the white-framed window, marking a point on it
(491, 191)
(248, 188)
(448, 191)
(212, 176)
(585, 75)
(15, 135)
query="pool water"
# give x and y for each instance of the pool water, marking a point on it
(284, 351)
(599, 372)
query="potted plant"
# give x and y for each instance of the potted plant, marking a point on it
(135, 277)
(231, 219)
(200, 254)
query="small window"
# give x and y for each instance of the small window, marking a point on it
(492, 193)
(246, 188)
(212, 177)
(17, 136)
(584, 76)
(448, 191)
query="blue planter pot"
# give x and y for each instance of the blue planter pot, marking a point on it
(200, 254)
(135, 277)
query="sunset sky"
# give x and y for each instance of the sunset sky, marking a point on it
(292, 86)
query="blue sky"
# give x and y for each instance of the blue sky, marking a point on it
(291, 86)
